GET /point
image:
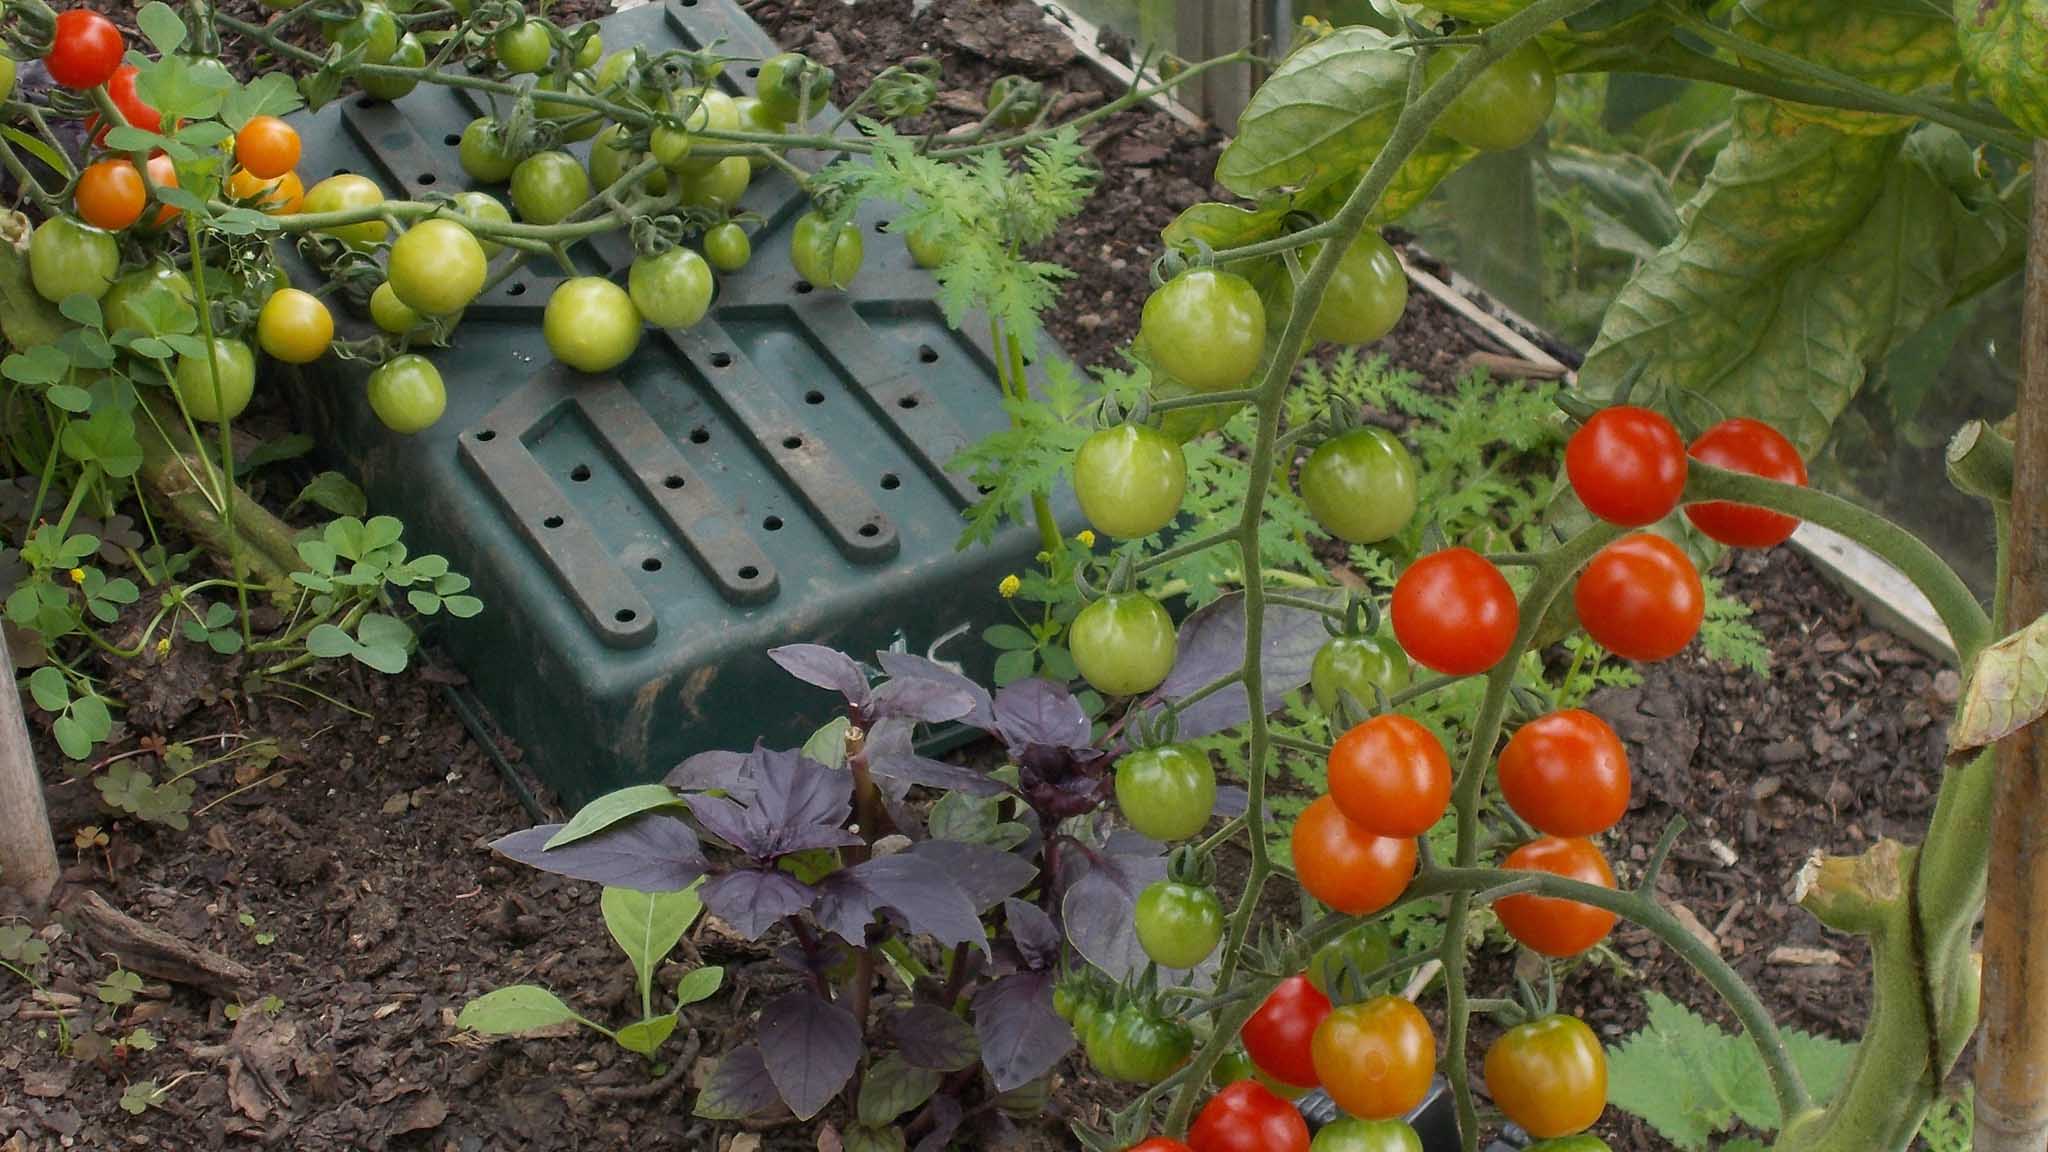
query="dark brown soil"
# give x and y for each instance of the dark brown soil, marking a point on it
(364, 858)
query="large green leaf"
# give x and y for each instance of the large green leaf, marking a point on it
(519, 1008)
(1322, 115)
(1808, 255)
(2005, 43)
(1897, 45)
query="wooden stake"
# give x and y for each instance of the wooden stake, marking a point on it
(28, 854)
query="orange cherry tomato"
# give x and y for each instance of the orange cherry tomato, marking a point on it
(1375, 1059)
(164, 174)
(1548, 924)
(1391, 776)
(1346, 867)
(110, 195)
(267, 147)
(1549, 1076)
(283, 196)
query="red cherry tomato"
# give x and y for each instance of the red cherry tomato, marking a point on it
(1454, 612)
(85, 50)
(1277, 1035)
(1158, 1144)
(163, 173)
(1248, 1117)
(1627, 465)
(1547, 924)
(1391, 776)
(138, 112)
(1640, 598)
(1566, 774)
(1345, 866)
(1754, 447)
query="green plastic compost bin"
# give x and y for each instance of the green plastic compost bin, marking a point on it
(775, 474)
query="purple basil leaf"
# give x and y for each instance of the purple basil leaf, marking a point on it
(724, 771)
(1036, 936)
(1231, 801)
(650, 853)
(1040, 712)
(928, 1036)
(727, 821)
(1212, 646)
(810, 1047)
(1021, 1036)
(793, 789)
(753, 899)
(891, 755)
(904, 666)
(925, 701)
(739, 1087)
(1100, 911)
(826, 668)
(946, 1117)
(927, 899)
(985, 873)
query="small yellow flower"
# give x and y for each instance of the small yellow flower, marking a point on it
(78, 575)
(163, 646)
(1086, 538)
(1009, 586)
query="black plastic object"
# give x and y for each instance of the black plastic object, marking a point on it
(775, 474)
(1435, 1120)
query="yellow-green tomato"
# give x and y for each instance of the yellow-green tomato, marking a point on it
(1123, 643)
(406, 393)
(927, 247)
(727, 247)
(343, 193)
(699, 110)
(7, 70)
(1367, 294)
(1206, 329)
(720, 187)
(68, 257)
(611, 159)
(1507, 105)
(755, 118)
(294, 326)
(484, 206)
(390, 314)
(410, 53)
(1178, 924)
(1166, 792)
(548, 186)
(1129, 480)
(483, 153)
(1360, 486)
(1362, 667)
(672, 289)
(437, 267)
(194, 378)
(826, 260)
(1351, 1134)
(147, 289)
(591, 324)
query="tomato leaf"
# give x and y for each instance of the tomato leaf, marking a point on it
(2008, 690)
(2004, 42)
(810, 1047)
(1324, 112)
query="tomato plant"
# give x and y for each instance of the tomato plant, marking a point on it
(1390, 776)
(1166, 792)
(1454, 612)
(1627, 465)
(790, 84)
(1205, 328)
(1248, 1117)
(1641, 598)
(1547, 924)
(134, 109)
(1375, 1059)
(1755, 448)
(1549, 1076)
(215, 385)
(1129, 480)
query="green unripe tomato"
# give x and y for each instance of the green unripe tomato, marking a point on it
(483, 156)
(1178, 924)
(591, 325)
(121, 308)
(484, 206)
(1366, 296)
(1123, 644)
(1235, 1064)
(701, 110)
(671, 290)
(1354, 666)
(548, 186)
(755, 118)
(592, 51)
(346, 192)
(1506, 106)
(1206, 329)
(728, 247)
(68, 257)
(390, 314)
(375, 30)
(928, 249)
(1135, 1046)
(195, 381)
(1363, 950)
(562, 111)
(719, 188)
(1351, 1134)
(790, 84)
(1360, 486)
(410, 53)
(610, 159)
(1129, 480)
(407, 395)
(1166, 793)
(524, 48)
(825, 260)
(437, 267)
